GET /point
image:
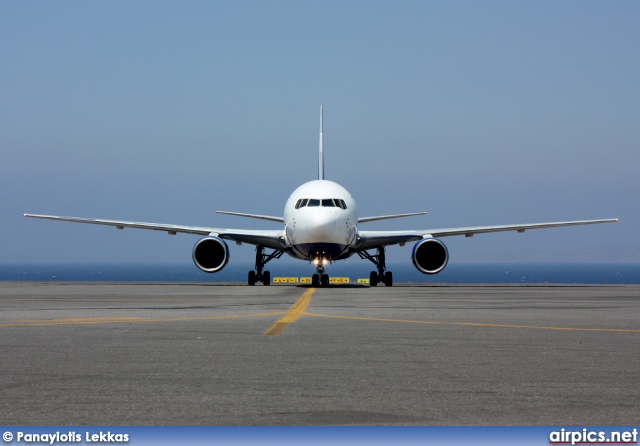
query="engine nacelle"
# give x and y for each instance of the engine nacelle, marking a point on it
(430, 256)
(211, 254)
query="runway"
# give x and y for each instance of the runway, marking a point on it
(205, 354)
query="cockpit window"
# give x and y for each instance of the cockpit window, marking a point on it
(325, 202)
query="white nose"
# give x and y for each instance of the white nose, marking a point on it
(321, 224)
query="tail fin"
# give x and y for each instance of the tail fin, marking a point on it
(321, 158)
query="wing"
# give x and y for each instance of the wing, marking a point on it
(374, 239)
(268, 238)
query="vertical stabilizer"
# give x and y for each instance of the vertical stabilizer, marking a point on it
(321, 156)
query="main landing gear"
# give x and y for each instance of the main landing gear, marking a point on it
(379, 261)
(320, 278)
(261, 260)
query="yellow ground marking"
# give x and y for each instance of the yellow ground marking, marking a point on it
(292, 315)
(112, 320)
(473, 324)
(285, 280)
(106, 299)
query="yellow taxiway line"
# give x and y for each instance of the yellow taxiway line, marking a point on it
(472, 324)
(295, 312)
(292, 315)
(112, 320)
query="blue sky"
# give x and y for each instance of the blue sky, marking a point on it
(477, 112)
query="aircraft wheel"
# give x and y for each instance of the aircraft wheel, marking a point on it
(266, 278)
(315, 281)
(373, 278)
(252, 278)
(325, 280)
(388, 278)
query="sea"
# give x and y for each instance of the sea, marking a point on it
(463, 273)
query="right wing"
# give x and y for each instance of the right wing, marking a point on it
(375, 239)
(269, 238)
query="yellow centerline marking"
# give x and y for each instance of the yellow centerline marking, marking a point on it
(471, 324)
(292, 315)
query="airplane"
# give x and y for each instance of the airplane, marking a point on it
(321, 225)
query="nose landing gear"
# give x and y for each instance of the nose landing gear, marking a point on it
(320, 278)
(261, 259)
(379, 261)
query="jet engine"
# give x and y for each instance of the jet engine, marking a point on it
(430, 256)
(211, 254)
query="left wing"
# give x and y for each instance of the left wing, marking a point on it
(374, 239)
(268, 238)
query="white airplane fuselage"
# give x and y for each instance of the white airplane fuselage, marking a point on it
(320, 222)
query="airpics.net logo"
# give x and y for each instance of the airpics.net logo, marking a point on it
(586, 436)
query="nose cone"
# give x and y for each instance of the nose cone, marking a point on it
(321, 225)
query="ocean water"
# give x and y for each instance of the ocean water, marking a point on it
(533, 273)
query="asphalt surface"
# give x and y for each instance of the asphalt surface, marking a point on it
(202, 354)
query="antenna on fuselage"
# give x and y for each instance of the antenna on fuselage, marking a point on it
(321, 157)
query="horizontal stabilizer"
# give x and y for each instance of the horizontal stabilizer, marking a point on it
(261, 217)
(386, 217)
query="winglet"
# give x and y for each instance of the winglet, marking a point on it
(321, 156)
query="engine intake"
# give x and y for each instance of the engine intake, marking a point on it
(430, 256)
(211, 254)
